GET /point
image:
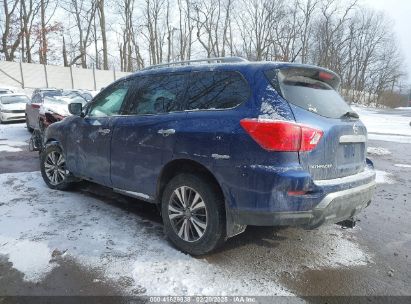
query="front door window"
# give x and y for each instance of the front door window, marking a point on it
(109, 103)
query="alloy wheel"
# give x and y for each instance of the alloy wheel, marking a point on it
(55, 168)
(187, 213)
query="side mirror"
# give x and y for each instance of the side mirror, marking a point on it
(75, 108)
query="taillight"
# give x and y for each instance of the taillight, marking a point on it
(297, 193)
(325, 76)
(277, 135)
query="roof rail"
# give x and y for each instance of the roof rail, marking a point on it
(207, 60)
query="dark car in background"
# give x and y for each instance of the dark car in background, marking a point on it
(218, 147)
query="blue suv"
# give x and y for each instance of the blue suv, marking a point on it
(219, 146)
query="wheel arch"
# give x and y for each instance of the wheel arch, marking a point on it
(178, 166)
(52, 142)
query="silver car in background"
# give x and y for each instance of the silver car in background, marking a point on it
(12, 107)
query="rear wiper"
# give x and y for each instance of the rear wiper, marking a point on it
(350, 114)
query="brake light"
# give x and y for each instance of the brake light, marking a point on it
(277, 135)
(297, 193)
(325, 76)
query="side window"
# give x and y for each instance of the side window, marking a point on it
(216, 90)
(156, 94)
(110, 102)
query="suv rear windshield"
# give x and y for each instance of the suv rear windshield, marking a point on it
(310, 89)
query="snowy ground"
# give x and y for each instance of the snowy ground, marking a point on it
(118, 245)
(103, 237)
(39, 220)
(13, 138)
(118, 242)
(394, 127)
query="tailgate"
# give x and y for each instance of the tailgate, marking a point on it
(314, 100)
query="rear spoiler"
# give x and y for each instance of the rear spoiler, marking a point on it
(317, 73)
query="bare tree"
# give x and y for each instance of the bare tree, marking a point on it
(285, 36)
(307, 8)
(257, 23)
(126, 50)
(329, 32)
(11, 33)
(102, 21)
(212, 21)
(157, 29)
(354, 41)
(29, 11)
(83, 12)
(185, 29)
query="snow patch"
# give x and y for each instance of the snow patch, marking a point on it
(269, 110)
(6, 148)
(30, 258)
(388, 137)
(339, 252)
(329, 246)
(13, 137)
(402, 165)
(378, 122)
(383, 177)
(179, 274)
(378, 151)
(219, 156)
(108, 239)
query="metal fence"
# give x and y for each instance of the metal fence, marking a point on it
(31, 76)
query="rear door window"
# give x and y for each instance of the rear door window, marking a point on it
(156, 94)
(216, 90)
(310, 89)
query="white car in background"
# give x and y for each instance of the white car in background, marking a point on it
(12, 107)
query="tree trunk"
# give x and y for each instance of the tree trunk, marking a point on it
(43, 47)
(103, 33)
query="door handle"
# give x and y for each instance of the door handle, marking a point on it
(166, 132)
(103, 131)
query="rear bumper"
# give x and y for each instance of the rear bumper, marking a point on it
(333, 208)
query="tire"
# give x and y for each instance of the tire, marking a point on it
(204, 214)
(58, 177)
(30, 129)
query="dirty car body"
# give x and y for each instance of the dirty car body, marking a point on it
(276, 158)
(33, 107)
(55, 108)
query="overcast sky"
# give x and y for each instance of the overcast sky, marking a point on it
(400, 12)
